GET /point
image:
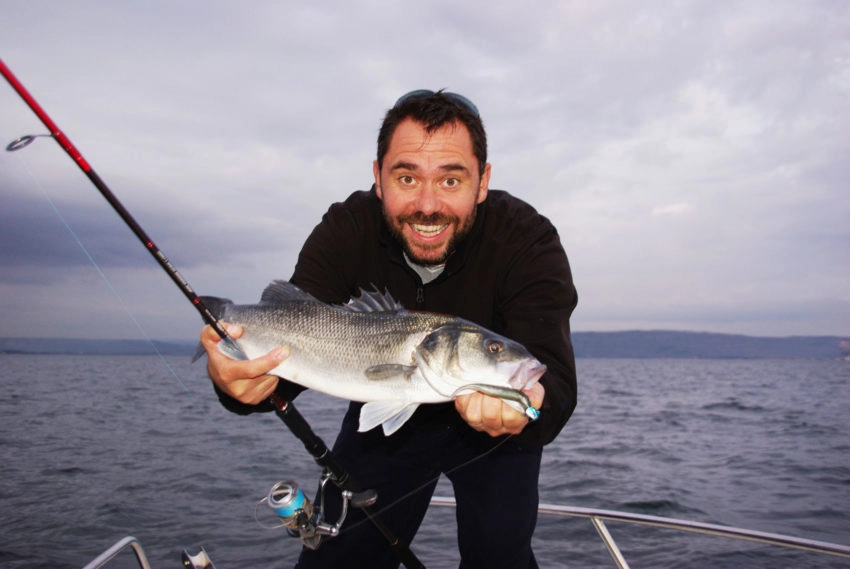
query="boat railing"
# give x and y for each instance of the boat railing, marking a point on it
(200, 560)
(128, 542)
(598, 517)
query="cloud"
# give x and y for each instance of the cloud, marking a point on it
(671, 209)
(692, 156)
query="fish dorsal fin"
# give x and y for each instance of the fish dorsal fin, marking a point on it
(373, 301)
(279, 292)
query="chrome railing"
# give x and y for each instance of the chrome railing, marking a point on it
(108, 555)
(198, 561)
(598, 517)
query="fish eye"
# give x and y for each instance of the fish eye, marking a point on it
(494, 347)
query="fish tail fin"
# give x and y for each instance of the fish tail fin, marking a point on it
(199, 352)
(219, 307)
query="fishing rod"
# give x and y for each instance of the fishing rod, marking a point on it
(310, 528)
(78, 159)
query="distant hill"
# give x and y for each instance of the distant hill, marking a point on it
(666, 344)
(94, 347)
(634, 344)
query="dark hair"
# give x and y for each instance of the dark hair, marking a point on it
(434, 110)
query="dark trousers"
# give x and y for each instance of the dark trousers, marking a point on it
(495, 490)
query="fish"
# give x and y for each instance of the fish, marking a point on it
(375, 351)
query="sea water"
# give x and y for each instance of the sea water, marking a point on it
(98, 447)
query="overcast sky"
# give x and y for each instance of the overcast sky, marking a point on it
(694, 156)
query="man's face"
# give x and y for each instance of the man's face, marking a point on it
(429, 185)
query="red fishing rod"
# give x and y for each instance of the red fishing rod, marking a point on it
(78, 159)
(285, 410)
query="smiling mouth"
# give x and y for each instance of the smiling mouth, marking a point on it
(428, 230)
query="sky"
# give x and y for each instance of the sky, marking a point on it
(694, 156)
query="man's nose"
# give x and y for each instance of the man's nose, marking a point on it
(427, 200)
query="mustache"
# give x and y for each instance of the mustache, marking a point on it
(420, 218)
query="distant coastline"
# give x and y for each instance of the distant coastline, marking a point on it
(76, 346)
(627, 344)
(671, 344)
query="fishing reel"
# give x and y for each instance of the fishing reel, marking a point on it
(304, 520)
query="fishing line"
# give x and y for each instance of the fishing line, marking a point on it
(148, 339)
(400, 499)
(283, 524)
(284, 409)
(65, 143)
(26, 140)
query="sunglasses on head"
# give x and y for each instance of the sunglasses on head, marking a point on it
(468, 105)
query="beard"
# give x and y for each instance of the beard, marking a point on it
(462, 229)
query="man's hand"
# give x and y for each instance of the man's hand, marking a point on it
(493, 416)
(246, 381)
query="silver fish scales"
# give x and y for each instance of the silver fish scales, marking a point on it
(375, 351)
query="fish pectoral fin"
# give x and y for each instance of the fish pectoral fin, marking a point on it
(390, 414)
(389, 371)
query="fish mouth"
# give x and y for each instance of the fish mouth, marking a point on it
(527, 375)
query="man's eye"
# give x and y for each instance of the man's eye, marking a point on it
(452, 182)
(406, 180)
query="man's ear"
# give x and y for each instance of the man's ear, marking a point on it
(376, 171)
(484, 184)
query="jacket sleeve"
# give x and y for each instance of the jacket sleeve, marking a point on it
(537, 299)
(330, 255)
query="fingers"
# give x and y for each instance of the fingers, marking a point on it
(252, 390)
(247, 381)
(536, 393)
(493, 416)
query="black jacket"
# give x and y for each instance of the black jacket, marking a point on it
(510, 275)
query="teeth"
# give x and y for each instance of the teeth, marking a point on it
(428, 230)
